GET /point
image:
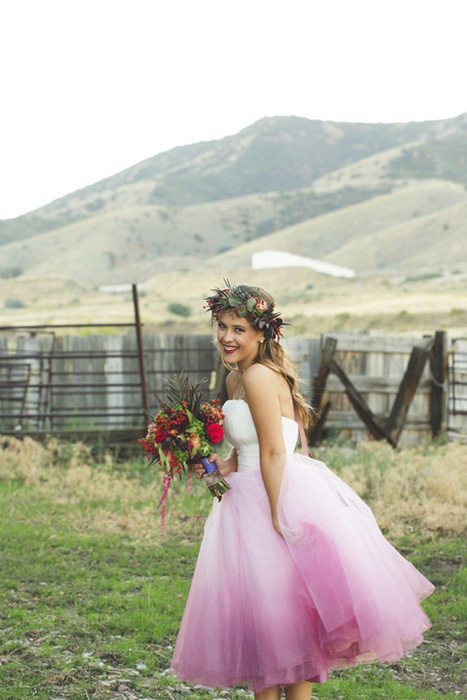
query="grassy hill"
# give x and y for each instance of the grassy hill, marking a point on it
(442, 158)
(308, 186)
(377, 233)
(131, 243)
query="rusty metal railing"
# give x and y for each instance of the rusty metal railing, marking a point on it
(457, 377)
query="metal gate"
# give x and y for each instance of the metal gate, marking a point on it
(457, 388)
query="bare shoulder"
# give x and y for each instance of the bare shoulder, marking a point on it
(263, 397)
(257, 374)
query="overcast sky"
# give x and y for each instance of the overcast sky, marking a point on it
(91, 87)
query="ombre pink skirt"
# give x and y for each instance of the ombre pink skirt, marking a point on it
(268, 610)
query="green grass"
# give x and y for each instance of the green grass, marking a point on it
(85, 612)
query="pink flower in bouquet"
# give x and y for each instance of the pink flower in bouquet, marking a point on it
(262, 306)
(215, 433)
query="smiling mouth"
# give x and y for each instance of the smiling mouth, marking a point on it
(228, 349)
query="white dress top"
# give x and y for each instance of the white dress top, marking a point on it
(240, 431)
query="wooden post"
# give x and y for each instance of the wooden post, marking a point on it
(319, 382)
(407, 389)
(315, 431)
(318, 398)
(142, 367)
(438, 378)
(359, 403)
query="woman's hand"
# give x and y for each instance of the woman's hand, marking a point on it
(223, 466)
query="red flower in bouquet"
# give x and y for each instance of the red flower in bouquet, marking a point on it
(161, 435)
(215, 433)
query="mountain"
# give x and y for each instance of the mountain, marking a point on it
(225, 197)
(419, 228)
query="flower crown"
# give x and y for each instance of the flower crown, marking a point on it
(255, 309)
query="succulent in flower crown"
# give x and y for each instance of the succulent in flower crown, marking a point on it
(238, 300)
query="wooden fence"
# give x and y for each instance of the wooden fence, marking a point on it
(91, 382)
(50, 382)
(365, 392)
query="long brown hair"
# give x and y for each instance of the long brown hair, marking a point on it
(273, 355)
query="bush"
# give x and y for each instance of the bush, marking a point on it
(179, 309)
(96, 204)
(13, 303)
(8, 272)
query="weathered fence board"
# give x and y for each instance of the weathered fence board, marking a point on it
(378, 343)
(376, 384)
(375, 365)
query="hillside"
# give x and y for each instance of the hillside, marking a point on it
(420, 226)
(278, 177)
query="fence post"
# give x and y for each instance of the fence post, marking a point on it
(438, 379)
(405, 394)
(139, 340)
(318, 392)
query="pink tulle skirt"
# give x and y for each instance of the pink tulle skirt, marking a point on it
(267, 610)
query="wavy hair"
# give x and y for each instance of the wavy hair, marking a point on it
(273, 355)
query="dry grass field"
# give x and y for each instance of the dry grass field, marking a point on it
(421, 489)
(313, 303)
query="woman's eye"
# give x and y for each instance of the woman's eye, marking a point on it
(238, 329)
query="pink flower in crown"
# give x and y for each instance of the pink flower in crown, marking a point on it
(262, 306)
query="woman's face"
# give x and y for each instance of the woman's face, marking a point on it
(238, 339)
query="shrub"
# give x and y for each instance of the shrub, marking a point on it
(179, 309)
(8, 272)
(96, 204)
(13, 303)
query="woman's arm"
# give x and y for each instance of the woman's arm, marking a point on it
(261, 389)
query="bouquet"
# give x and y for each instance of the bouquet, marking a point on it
(182, 433)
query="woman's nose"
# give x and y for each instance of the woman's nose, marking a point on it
(227, 335)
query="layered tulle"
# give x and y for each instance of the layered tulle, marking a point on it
(331, 593)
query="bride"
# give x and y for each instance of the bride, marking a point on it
(294, 577)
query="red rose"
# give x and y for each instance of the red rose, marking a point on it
(215, 432)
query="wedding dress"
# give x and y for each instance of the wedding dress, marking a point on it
(331, 593)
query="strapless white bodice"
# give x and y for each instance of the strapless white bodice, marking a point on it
(240, 431)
